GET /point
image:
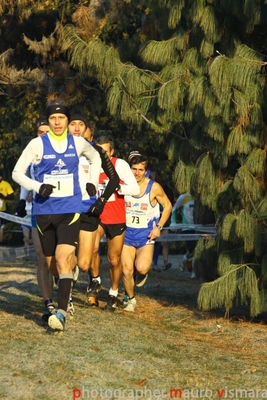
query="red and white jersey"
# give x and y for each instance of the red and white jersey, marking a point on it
(114, 210)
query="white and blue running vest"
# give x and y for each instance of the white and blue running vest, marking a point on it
(140, 217)
(61, 171)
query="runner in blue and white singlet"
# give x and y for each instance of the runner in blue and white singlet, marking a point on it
(144, 224)
(141, 217)
(58, 200)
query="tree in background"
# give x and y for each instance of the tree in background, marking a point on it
(34, 69)
(185, 78)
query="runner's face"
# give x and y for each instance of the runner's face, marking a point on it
(106, 147)
(139, 171)
(88, 134)
(42, 130)
(77, 128)
(58, 123)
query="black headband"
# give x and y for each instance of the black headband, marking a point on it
(57, 109)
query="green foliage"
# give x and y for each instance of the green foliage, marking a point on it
(182, 177)
(228, 199)
(203, 181)
(239, 282)
(245, 229)
(168, 50)
(217, 295)
(219, 73)
(175, 14)
(209, 25)
(228, 259)
(228, 230)
(94, 57)
(250, 187)
(238, 142)
(170, 98)
(256, 162)
(215, 129)
(261, 211)
(194, 63)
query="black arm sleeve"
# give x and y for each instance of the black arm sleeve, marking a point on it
(110, 171)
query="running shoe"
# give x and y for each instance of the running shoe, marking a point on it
(167, 266)
(70, 309)
(75, 273)
(111, 304)
(92, 292)
(49, 310)
(131, 305)
(125, 300)
(156, 268)
(57, 321)
(140, 279)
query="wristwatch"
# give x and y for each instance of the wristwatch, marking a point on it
(160, 227)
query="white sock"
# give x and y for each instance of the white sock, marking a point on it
(98, 279)
(113, 292)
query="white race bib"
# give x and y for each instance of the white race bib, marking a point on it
(102, 188)
(136, 219)
(63, 184)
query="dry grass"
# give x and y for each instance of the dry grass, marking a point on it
(167, 344)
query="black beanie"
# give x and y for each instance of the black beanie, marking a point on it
(41, 121)
(78, 115)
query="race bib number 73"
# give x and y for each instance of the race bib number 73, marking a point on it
(135, 219)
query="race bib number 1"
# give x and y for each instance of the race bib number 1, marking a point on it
(63, 184)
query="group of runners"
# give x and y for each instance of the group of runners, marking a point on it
(81, 193)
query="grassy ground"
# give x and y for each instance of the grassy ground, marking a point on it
(167, 344)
